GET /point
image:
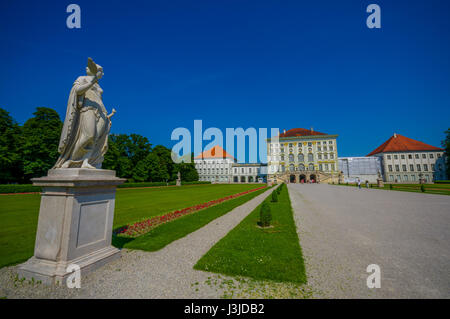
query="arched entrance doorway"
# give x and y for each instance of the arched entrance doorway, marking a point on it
(250, 179)
(302, 178)
(235, 179)
(312, 178)
(242, 179)
(292, 178)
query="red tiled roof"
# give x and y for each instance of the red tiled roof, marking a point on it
(300, 132)
(400, 143)
(214, 152)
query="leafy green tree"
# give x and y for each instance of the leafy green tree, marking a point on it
(165, 157)
(140, 171)
(10, 159)
(156, 168)
(39, 142)
(187, 170)
(125, 154)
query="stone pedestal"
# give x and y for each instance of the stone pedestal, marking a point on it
(380, 183)
(75, 223)
(178, 182)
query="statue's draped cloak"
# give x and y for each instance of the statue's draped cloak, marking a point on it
(67, 138)
(71, 131)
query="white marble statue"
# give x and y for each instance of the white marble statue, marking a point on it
(84, 137)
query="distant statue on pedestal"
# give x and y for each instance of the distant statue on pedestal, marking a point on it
(84, 137)
(380, 180)
(178, 178)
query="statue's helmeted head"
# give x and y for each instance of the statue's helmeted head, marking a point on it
(93, 67)
(99, 68)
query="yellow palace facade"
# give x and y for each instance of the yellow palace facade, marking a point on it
(301, 156)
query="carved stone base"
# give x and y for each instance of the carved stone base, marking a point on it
(75, 223)
(380, 183)
(51, 272)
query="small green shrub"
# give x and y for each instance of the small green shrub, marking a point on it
(422, 188)
(265, 216)
(280, 188)
(390, 186)
(274, 196)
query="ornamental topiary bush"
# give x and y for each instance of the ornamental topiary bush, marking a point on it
(265, 215)
(274, 196)
(390, 186)
(280, 188)
(422, 188)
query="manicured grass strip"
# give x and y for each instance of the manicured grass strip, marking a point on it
(141, 227)
(262, 254)
(19, 213)
(440, 189)
(136, 204)
(164, 234)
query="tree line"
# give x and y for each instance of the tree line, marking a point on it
(31, 149)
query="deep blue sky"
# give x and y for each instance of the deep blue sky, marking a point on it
(238, 63)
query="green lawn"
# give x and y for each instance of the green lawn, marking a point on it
(262, 254)
(19, 213)
(166, 233)
(136, 204)
(440, 189)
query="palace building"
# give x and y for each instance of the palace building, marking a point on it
(301, 155)
(217, 166)
(214, 165)
(408, 161)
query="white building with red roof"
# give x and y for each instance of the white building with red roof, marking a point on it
(216, 165)
(408, 161)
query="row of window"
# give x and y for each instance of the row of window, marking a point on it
(243, 170)
(249, 170)
(301, 157)
(236, 179)
(212, 162)
(410, 156)
(211, 166)
(214, 178)
(330, 142)
(319, 148)
(212, 171)
(418, 168)
(301, 167)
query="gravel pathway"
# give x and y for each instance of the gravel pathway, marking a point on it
(167, 273)
(344, 229)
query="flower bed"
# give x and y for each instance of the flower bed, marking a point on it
(141, 227)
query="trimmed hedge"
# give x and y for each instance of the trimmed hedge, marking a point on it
(28, 188)
(196, 182)
(144, 184)
(19, 188)
(442, 182)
